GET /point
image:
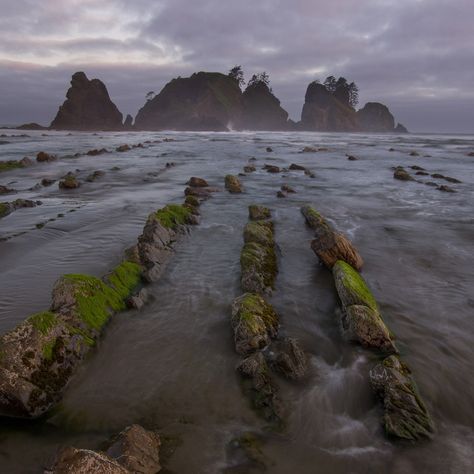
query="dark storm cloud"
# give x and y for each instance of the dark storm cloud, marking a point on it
(416, 56)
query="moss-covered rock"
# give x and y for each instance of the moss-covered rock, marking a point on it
(254, 322)
(260, 232)
(351, 287)
(232, 184)
(361, 319)
(258, 268)
(173, 216)
(329, 245)
(69, 182)
(405, 414)
(257, 212)
(41, 354)
(9, 165)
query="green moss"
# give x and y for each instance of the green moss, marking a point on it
(253, 309)
(260, 232)
(355, 284)
(95, 300)
(43, 321)
(48, 349)
(192, 201)
(313, 218)
(261, 259)
(88, 341)
(9, 165)
(4, 208)
(172, 215)
(125, 278)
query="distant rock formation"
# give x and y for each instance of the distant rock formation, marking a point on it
(328, 111)
(262, 110)
(323, 111)
(375, 117)
(87, 107)
(205, 101)
(128, 122)
(31, 126)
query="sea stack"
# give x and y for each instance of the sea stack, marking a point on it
(262, 110)
(208, 101)
(375, 117)
(323, 111)
(87, 107)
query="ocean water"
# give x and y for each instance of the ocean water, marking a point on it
(171, 366)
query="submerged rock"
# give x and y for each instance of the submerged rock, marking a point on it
(232, 184)
(295, 167)
(6, 190)
(9, 207)
(123, 148)
(287, 189)
(352, 158)
(271, 168)
(47, 182)
(329, 245)
(361, 319)
(405, 415)
(134, 451)
(260, 388)
(249, 169)
(97, 151)
(95, 175)
(254, 323)
(280, 194)
(401, 174)
(69, 182)
(288, 358)
(446, 189)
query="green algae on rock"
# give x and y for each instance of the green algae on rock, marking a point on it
(361, 319)
(173, 215)
(254, 322)
(260, 232)
(258, 268)
(9, 165)
(405, 415)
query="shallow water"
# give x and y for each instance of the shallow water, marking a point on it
(171, 366)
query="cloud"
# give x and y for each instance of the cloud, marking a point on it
(414, 55)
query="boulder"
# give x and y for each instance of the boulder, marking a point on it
(401, 174)
(69, 182)
(254, 322)
(260, 232)
(87, 107)
(405, 415)
(123, 148)
(295, 167)
(197, 182)
(361, 319)
(232, 184)
(329, 245)
(271, 168)
(45, 157)
(134, 451)
(257, 212)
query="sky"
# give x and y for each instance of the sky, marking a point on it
(416, 56)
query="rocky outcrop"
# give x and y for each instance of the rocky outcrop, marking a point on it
(204, 101)
(375, 117)
(331, 112)
(87, 107)
(9, 207)
(41, 354)
(134, 451)
(405, 415)
(262, 110)
(329, 245)
(361, 319)
(322, 111)
(232, 184)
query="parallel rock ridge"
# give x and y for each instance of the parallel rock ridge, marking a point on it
(405, 415)
(40, 355)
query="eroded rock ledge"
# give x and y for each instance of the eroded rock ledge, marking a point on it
(40, 355)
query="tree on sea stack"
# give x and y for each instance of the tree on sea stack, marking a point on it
(237, 74)
(260, 78)
(150, 96)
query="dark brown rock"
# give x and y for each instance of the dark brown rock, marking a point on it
(257, 212)
(232, 184)
(295, 167)
(197, 182)
(87, 107)
(69, 182)
(288, 358)
(123, 148)
(43, 156)
(249, 169)
(401, 174)
(271, 168)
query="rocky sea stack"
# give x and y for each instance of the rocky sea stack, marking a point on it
(205, 101)
(87, 107)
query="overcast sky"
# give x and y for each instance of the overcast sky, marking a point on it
(416, 56)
